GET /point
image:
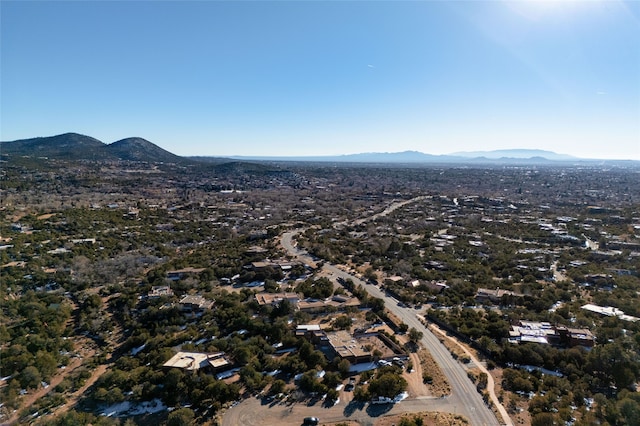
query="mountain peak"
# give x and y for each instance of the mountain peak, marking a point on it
(74, 146)
(68, 146)
(139, 149)
(134, 140)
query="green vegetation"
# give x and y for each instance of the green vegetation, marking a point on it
(85, 243)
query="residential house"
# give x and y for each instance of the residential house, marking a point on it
(337, 302)
(545, 333)
(276, 298)
(194, 361)
(195, 303)
(484, 295)
(160, 290)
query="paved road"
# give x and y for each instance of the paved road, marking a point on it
(464, 398)
(490, 382)
(389, 210)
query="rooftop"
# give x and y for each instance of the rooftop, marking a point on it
(273, 298)
(609, 311)
(346, 345)
(196, 300)
(192, 361)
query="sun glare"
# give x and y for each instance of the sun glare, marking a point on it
(539, 9)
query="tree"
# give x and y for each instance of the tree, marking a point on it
(629, 409)
(252, 379)
(30, 378)
(539, 404)
(387, 384)
(270, 286)
(343, 367)
(313, 358)
(277, 387)
(370, 274)
(46, 364)
(332, 395)
(414, 335)
(415, 421)
(614, 362)
(331, 379)
(181, 417)
(309, 382)
(343, 322)
(73, 418)
(376, 305)
(361, 394)
(482, 381)
(543, 419)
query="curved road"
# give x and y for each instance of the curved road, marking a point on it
(464, 398)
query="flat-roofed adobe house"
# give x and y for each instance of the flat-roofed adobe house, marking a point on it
(262, 265)
(275, 265)
(338, 302)
(160, 290)
(609, 311)
(194, 361)
(436, 285)
(348, 347)
(313, 332)
(494, 295)
(545, 333)
(276, 298)
(195, 303)
(532, 332)
(576, 337)
(362, 348)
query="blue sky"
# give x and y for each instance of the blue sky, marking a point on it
(327, 77)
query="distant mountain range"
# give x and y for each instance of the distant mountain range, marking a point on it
(515, 153)
(74, 146)
(415, 157)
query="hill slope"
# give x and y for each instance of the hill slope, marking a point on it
(138, 149)
(67, 146)
(74, 146)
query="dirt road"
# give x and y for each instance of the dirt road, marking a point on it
(31, 398)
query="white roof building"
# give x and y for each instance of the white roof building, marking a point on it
(609, 311)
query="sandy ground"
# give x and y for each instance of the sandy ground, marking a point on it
(429, 419)
(415, 384)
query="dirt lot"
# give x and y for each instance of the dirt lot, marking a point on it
(429, 419)
(439, 385)
(415, 384)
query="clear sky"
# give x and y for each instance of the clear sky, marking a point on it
(327, 77)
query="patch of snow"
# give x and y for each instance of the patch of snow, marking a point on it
(135, 351)
(125, 408)
(401, 397)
